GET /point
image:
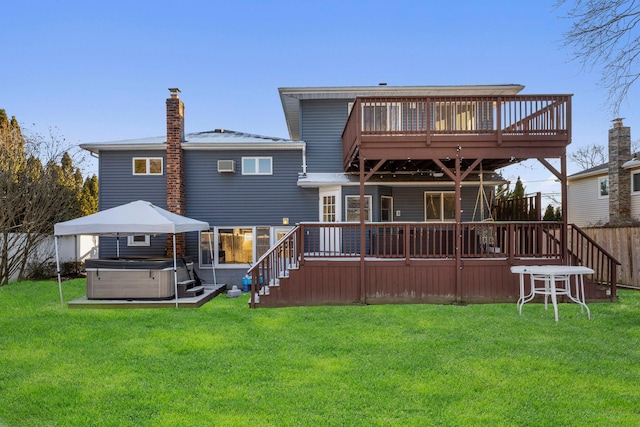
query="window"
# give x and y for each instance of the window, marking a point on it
(257, 166)
(147, 165)
(138, 240)
(439, 206)
(329, 208)
(386, 208)
(635, 182)
(603, 187)
(353, 208)
(234, 246)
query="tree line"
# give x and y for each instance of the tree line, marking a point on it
(39, 186)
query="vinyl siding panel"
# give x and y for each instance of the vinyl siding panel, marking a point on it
(118, 185)
(322, 124)
(225, 199)
(233, 199)
(584, 207)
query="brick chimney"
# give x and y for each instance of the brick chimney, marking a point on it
(619, 178)
(175, 166)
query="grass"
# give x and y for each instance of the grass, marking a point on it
(225, 365)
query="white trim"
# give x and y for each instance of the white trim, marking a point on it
(391, 210)
(131, 240)
(357, 197)
(441, 194)
(633, 191)
(600, 195)
(216, 246)
(147, 171)
(256, 160)
(336, 192)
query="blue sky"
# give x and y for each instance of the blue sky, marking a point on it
(99, 71)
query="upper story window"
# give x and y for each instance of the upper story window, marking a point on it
(257, 166)
(635, 182)
(353, 208)
(603, 187)
(147, 166)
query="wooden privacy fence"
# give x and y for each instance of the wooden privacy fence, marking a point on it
(623, 243)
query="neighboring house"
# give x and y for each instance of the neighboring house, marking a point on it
(607, 193)
(380, 193)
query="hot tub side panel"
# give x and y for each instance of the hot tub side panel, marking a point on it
(129, 284)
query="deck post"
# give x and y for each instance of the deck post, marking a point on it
(458, 236)
(565, 202)
(363, 242)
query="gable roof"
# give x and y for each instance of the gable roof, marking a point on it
(222, 139)
(603, 169)
(292, 96)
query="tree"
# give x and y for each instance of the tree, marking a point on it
(518, 190)
(589, 156)
(33, 197)
(89, 196)
(606, 32)
(552, 214)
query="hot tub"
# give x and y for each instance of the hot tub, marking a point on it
(134, 278)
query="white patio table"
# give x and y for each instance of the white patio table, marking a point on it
(556, 280)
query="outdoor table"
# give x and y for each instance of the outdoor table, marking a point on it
(551, 276)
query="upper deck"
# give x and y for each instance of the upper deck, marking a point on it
(497, 129)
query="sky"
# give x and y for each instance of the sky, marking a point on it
(99, 71)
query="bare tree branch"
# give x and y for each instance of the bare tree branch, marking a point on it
(606, 33)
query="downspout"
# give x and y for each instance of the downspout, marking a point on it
(304, 160)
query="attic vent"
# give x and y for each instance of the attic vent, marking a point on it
(226, 166)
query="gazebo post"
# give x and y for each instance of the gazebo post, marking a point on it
(175, 269)
(55, 238)
(213, 268)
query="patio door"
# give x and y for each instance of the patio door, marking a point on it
(329, 238)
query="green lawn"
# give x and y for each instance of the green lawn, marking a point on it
(224, 364)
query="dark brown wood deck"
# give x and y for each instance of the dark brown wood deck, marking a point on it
(429, 138)
(321, 263)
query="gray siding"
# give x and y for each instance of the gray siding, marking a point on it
(322, 123)
(235, 199)
(118, 186)
(410, 201)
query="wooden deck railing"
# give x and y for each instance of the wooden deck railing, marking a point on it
(480, 240)
(310, 241)
(583, 250)
(474, 116)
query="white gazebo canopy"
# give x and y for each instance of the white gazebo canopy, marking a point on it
(135, 218)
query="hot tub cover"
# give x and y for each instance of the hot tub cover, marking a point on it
(135, 218)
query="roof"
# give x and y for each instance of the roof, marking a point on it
(291, 96)
(604, 169)
(221, 139)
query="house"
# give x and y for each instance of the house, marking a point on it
(379, 194)
(611, 191)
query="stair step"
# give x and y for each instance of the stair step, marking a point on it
(195, 291)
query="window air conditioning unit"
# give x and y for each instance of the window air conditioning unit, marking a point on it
(226, 166)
